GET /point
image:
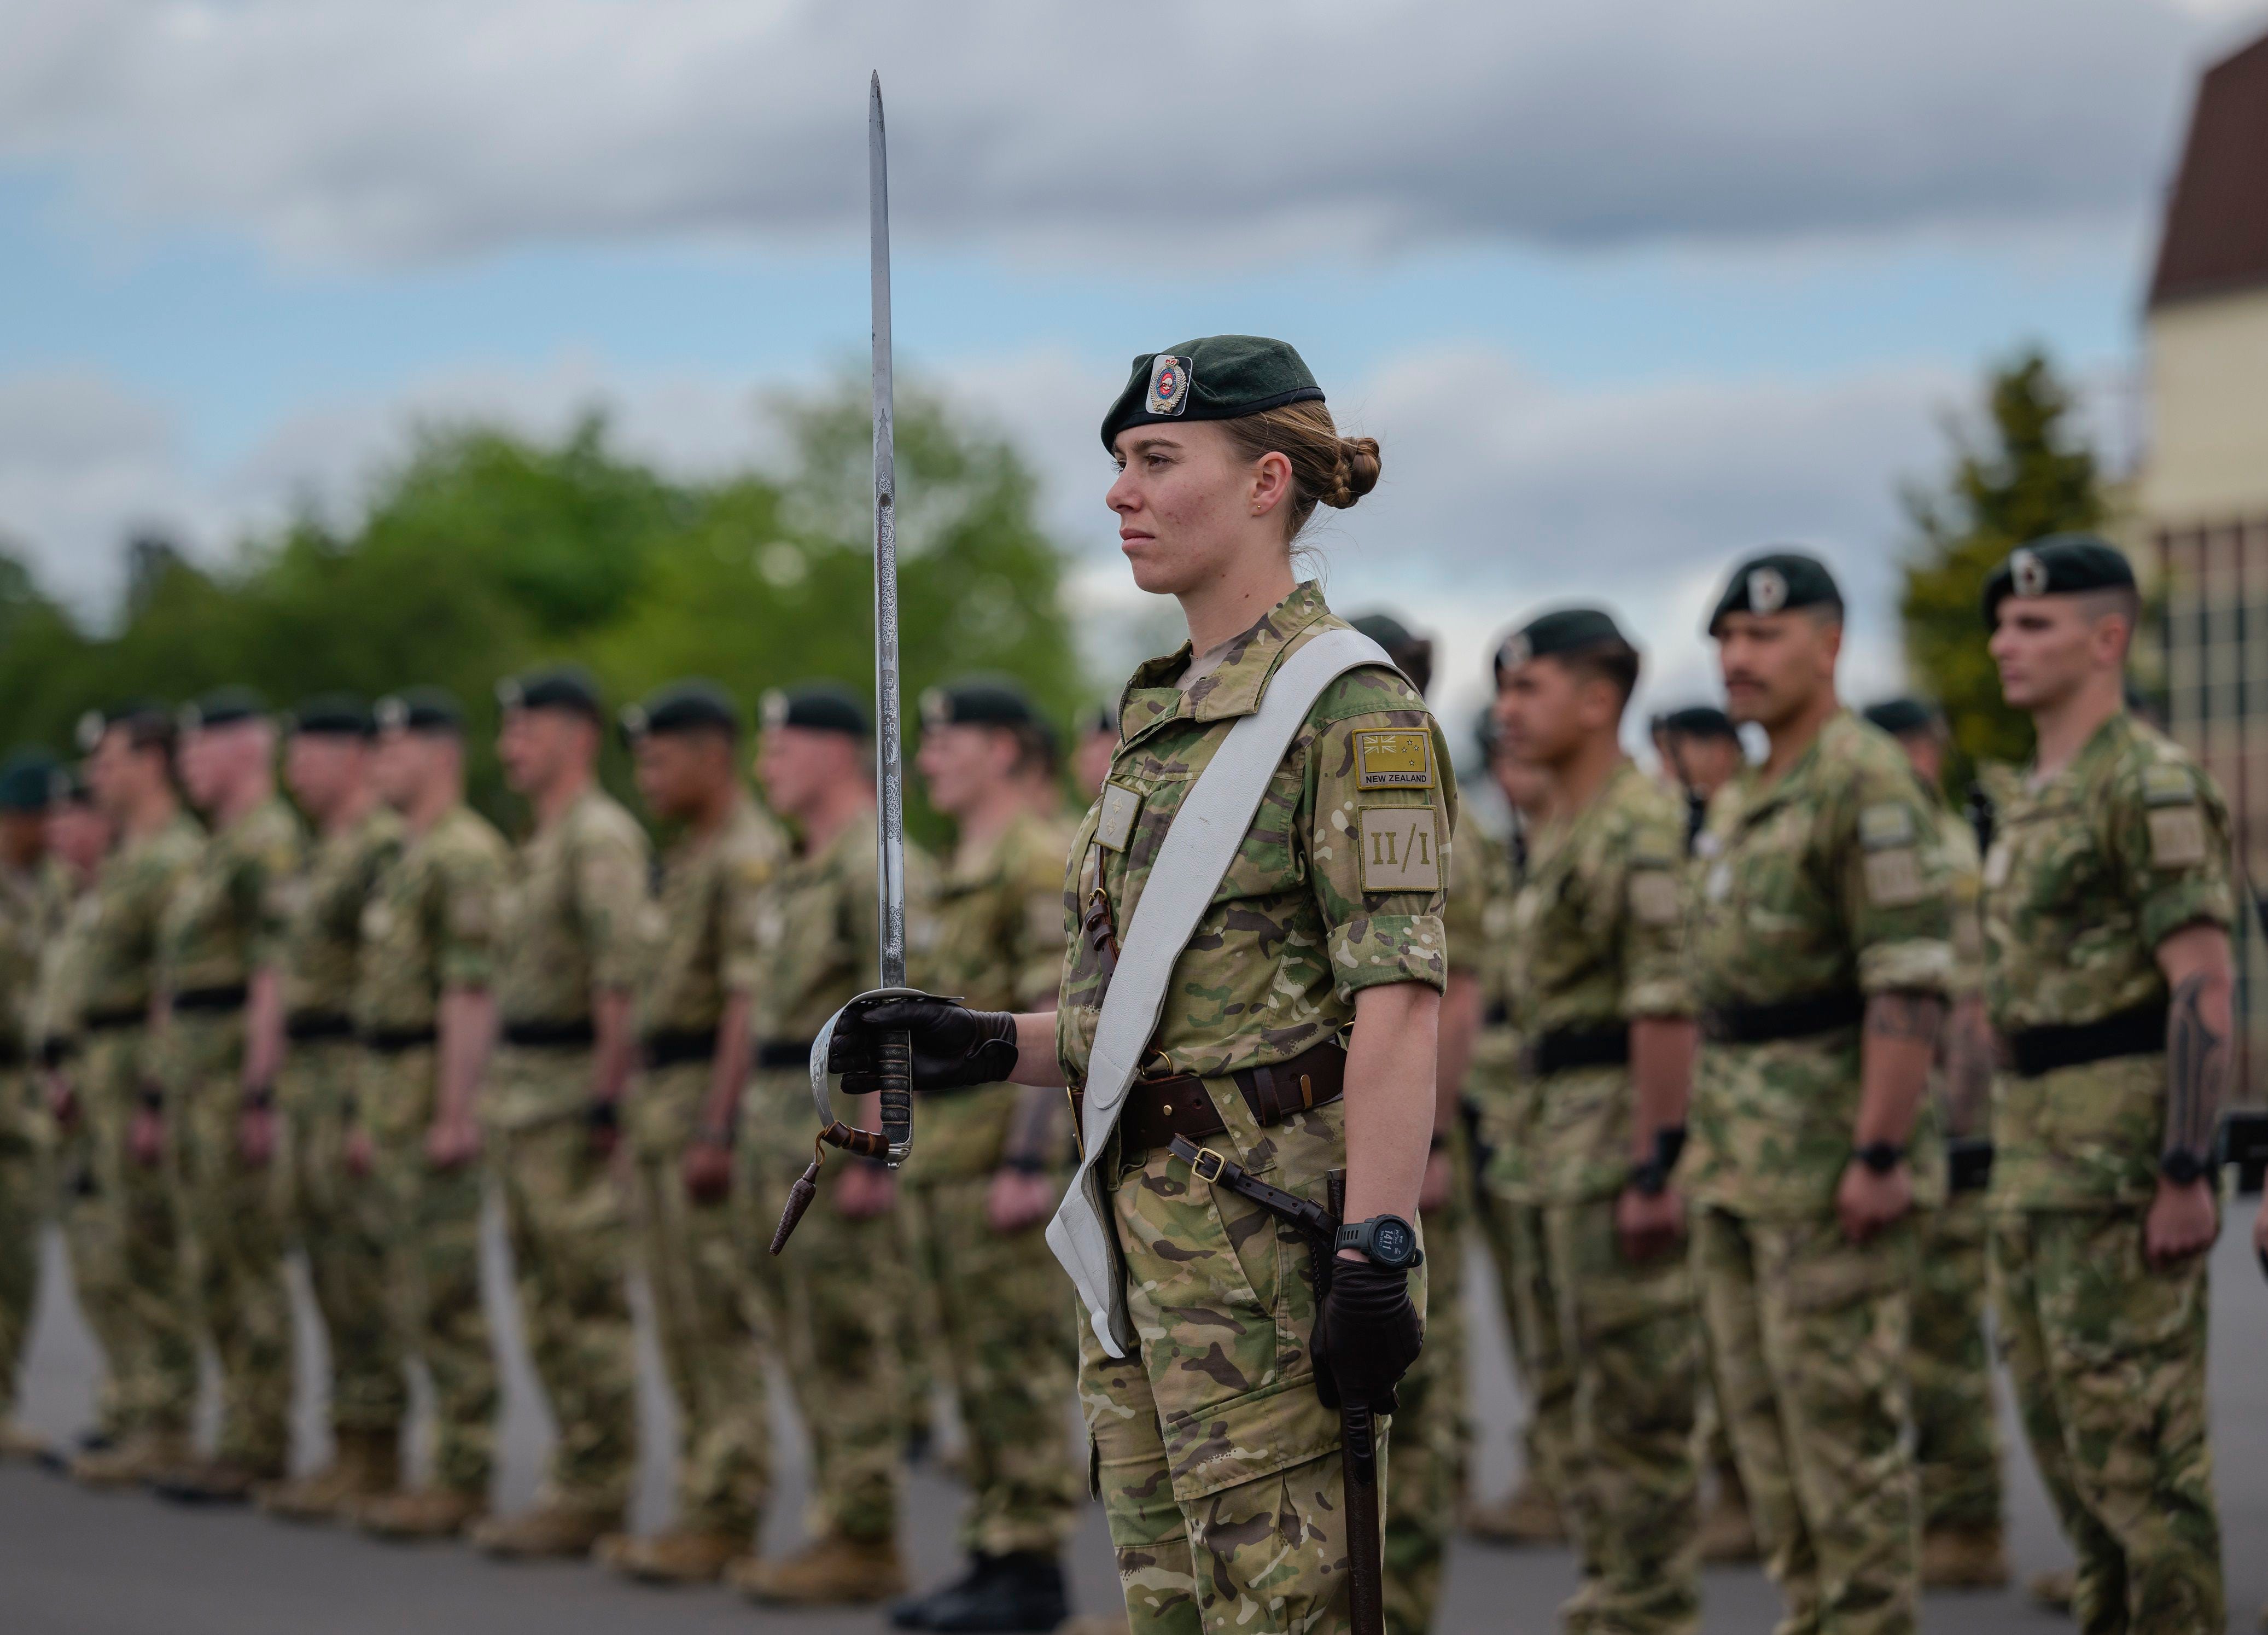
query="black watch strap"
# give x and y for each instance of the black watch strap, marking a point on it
(1882, 1157)
(2183, 1168)
(1388, 1239)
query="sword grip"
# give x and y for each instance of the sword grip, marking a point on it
(894, 1064)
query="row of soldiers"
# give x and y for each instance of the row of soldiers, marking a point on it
(1703, 1046)
(339, 1025)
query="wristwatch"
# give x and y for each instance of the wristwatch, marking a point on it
(2183, 1168)
(1882, 1157)
(1650, 1178)
(1388, 1239)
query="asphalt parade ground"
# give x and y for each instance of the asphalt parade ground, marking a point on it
(79, 1563)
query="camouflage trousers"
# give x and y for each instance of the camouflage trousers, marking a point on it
(1433, 1433)
(1949, 1366)
(836, 1297)
(1809, 1334)
(232, 1218)
(2108, 1357)
(340, 1219)
(565, 1218)
(130, 1229)
(1518, 1245)
(1218, 1466)
(709, 1345)
(1008, 1355)
(23, 1210)
(432, 1235)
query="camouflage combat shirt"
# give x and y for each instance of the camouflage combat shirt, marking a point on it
(2089, 872)
(998, 938)
(702, 943)
(1601, 919)
(226, 919)
(1338, 885)
(31, 907)
(325, 932)
(1830, 879)
(131, 892)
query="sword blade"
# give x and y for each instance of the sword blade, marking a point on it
(889, 774)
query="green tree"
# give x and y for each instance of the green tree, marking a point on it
(2030, 475)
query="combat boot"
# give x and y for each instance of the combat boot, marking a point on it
(18, 1440)
(680, 1556)
(364, 1464)
(1010, 1594)
(140, 1458)
(1728, 1532)
(2053, 1590)
(212, 1482)
(549, 1530)
(1964, 1558)
(831, 1570)
(1529, 1514)
(428, 1513)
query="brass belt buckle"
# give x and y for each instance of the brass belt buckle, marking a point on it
(1199, 1166)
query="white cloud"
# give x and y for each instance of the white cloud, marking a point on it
(1178, 133)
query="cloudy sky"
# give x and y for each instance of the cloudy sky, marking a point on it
(1624, 286)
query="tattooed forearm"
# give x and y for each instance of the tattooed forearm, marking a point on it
(1969, 1056)
(2197, 1064)
(1913, 1018)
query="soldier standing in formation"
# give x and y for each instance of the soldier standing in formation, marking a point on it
(551, 1105)
(838, 1297)
(424, 1015)
(1607, 1014)
(220, 1039)
(337, 1212)
(1821, 951)
(991, 1167)
(2107, 908)
(695, 1036)
(1949, 1361)
(30, 902)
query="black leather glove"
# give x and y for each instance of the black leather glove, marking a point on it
(1367, 1337)
(953, 1046)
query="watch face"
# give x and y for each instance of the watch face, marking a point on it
(1392, 1243)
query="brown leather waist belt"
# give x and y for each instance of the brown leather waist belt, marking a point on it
(1159, 1109)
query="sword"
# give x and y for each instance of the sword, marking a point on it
(894, 1051)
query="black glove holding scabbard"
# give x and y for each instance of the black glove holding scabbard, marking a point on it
(954, 1046)
(1366, 1336)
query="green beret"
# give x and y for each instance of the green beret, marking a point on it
(819, 707)
(1898, 717)
(1775, 582)
(689, 706)
(988, 700)
(27, 781)
(2062, 564)
(1700, 721)
(568, 687)
(1221, 377)
(149, 721)
(1562, 630)
(1412, 655)
(421, 710)
(223, 706)
(333, 715)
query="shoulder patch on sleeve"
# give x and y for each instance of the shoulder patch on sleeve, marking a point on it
(1398, 850)
(1400, 759)
(1652, 894)
(1894, 877)
(1886, 825)
(2169, 786)
(2176, 836)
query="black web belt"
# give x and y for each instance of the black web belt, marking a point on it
(671, 1046)
(114, 1018)
(1790, 1019)
(1565, 1049)
(229, 997)
(551, 1035)
(395, 1041)
(2138, 1032)
(781, 1053)
(310, 1025)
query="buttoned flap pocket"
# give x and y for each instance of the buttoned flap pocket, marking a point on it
(1204, 1275)
(1272, 857)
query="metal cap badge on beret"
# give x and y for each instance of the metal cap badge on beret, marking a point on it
(420, 710)
(1562, 630)
(151, 722)
(687, 706)
(1700, 721)
(2061, 565)
(1775, 582)
(1218, 377)
(820, 707)
(977, 701)
(223, 706)
(1898, 717)
(568, 687)
(27, 781)
(333, 715)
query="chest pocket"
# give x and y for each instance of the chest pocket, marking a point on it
(2056, 866)
(1273, 859)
